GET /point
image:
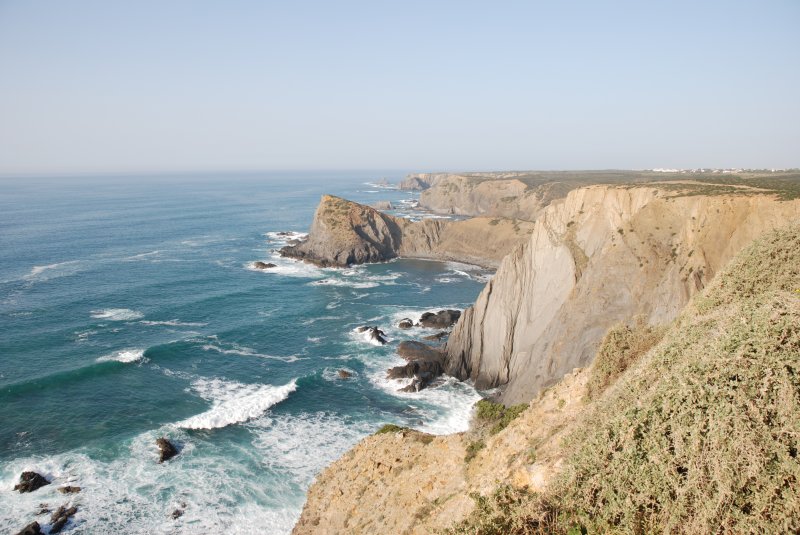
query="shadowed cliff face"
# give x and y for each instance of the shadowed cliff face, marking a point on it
(602, 255)
(345, 233)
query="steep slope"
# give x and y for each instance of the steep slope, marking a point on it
(699, 435)
(602, 255)
(344, 233)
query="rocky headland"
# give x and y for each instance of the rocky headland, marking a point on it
(579, 324)
(344, 233)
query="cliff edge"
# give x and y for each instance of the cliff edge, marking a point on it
(601, 255)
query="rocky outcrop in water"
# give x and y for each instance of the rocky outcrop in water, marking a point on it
(602, 255)
(61, 517)
(31, 529)
(166, 448)
(30, 481)
(344, 233)
(439, 320)
(263, 265)
(424, 365)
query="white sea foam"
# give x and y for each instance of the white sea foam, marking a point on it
(449, 401)
(302, 445)
(345, 283)
(365, 337)
(124, 355)
(142, 256)
(289, 267)
(174, 323)
(332, 374)
(217, 492)
(285, 237)
(49, 271)
(236, 349)
(117, 314)
(234, 402)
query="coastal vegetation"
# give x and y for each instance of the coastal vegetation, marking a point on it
(697, 435)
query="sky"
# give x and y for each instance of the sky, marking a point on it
(183, 86)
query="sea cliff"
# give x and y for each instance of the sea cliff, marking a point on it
(345, 233)
(601, 255)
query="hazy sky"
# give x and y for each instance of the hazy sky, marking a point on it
(236, 85)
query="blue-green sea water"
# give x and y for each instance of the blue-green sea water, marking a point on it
(130, 310)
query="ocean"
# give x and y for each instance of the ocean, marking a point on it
(131, 310)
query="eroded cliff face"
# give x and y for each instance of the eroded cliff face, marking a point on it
(603, 254)
(488, 196)
(421, 181)
(345, 233)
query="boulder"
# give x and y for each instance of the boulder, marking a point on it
(263, 265)
(436, 337)
(383, 205)
(61, 517)
(30, 481)
(412, 350)
(405, 323)
(31, 529)
(440, 320)
(177, 513)
(416, 368)
(168, 450)
(68, 489)
(344, 374)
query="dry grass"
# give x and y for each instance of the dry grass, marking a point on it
(701, 434)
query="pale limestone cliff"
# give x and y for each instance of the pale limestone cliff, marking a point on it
(601, 255)
(345, 233)
(497, 197)
(421, 181)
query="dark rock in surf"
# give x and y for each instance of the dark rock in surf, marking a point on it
(436, 337)
(263, 265)
(405, 323)
(168, 450)
(61, 517)
(69, 489)
(373, 333)
(30, 481)
(412, 350)
(31, 529)
(344, 374)
(440, 320)
(177, 513)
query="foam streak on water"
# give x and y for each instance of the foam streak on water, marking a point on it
(233, 402)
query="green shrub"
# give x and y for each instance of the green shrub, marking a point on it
(473, 448)
(621, 347)
(390, 428)
(496, 415)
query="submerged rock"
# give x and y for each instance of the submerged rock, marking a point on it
(405, 323)
(441, 319)
(30, 481)
(168, 450)
(31, 529)
(68, 489)
(263, 265)
(344, 374)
